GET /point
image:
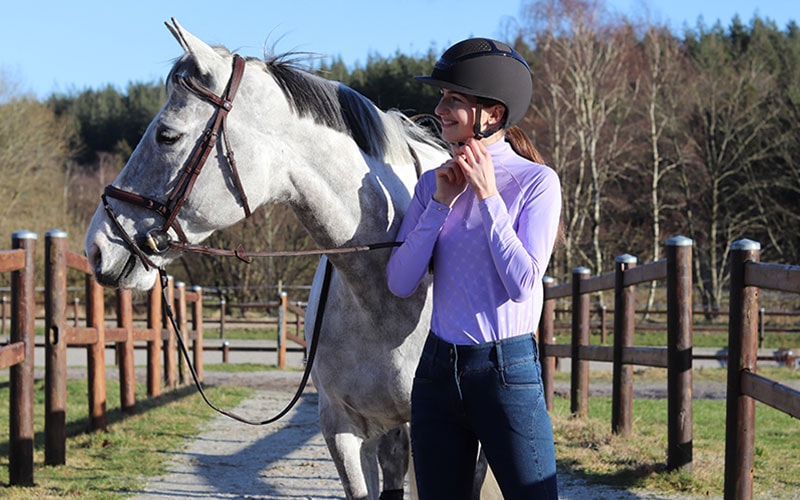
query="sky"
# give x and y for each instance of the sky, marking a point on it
(69, 46)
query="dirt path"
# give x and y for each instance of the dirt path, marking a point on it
(285, 460)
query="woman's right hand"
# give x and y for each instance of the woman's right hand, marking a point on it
(450, 183)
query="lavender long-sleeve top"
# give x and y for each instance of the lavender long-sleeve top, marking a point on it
(488, 256)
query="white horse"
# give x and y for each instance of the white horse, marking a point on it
(347, 170)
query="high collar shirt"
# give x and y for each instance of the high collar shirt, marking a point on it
(488, 257)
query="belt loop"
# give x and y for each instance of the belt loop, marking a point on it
(498, 349)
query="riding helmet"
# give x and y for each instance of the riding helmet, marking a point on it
(486, 68)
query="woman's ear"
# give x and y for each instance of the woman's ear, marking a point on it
(495, 113)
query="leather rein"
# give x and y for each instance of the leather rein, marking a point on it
(158, 241)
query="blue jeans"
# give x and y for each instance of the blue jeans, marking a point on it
(489, 393)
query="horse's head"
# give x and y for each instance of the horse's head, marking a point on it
(345, 167)
(159, 196)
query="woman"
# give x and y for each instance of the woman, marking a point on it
(484, 223)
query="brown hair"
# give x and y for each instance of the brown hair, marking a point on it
(522, 145)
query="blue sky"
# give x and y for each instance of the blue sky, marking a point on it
(64, 46)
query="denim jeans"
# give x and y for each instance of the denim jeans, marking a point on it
(489, 393)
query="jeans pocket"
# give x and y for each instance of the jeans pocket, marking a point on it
(521, 375)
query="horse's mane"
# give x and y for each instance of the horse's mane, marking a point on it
(331, 104)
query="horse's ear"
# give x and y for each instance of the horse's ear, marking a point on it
(201, 51)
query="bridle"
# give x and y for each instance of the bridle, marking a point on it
(158, 241)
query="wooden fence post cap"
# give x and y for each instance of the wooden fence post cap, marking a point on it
(745, 244)
(24, 235)
(581, 270)
(626, 258)
(548, 280)
(55, 233)
(679, 241)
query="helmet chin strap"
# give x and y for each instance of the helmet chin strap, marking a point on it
(476, 127)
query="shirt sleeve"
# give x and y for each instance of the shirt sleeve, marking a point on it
(521, 256)
(418, 233)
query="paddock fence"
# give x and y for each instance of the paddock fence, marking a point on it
(745, 385)
(154, 334)
(676, 268)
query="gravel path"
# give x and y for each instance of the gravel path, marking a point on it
(284, 460)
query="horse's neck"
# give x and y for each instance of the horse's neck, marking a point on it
(344, 201)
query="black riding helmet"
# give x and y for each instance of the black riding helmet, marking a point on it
(486, 68)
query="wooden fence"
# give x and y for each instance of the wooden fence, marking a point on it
(96, 335)
(676, 357)
(745, 386)
(18, 354)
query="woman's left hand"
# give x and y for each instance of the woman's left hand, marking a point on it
(476, 163)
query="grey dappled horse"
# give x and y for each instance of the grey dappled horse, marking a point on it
(346, 169)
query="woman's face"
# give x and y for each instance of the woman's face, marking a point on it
(457, 112)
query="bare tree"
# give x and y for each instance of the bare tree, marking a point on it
(587, 99)
(33, 152)
(733, 127)
(662, 82)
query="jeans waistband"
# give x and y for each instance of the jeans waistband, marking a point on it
(497, 353)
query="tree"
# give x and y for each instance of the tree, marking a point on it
(33, 152)
(586, 85)
(733, 129)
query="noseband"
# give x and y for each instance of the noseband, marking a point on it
(158, 241)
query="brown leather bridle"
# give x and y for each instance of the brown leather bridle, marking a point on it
(158, 241)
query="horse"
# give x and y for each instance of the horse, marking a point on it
(346, 169)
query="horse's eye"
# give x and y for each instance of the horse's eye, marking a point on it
(167, 137)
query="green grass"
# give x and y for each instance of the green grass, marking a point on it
(107, 465)
(588, 448)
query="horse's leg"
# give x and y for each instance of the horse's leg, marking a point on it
(393, 456)
(356, 460)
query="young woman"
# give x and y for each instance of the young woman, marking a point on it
(484, 223)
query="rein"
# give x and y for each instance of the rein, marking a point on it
(312, 352)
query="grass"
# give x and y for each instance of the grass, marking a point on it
(112, 464)
(588, 448)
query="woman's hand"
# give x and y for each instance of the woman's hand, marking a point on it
(476, 166)
(450, 183)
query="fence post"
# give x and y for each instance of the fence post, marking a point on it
(579, 384)
(624, 326)
(170, 358)
(96, 354)
(197, 326)
(55, 399)
(127, 375)
(182, 319)
(21, 428)
(222, 317)
(282, 311)
(546, 337)
(154, 315)
(3, 312)
(679, 353)
(742, 356)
